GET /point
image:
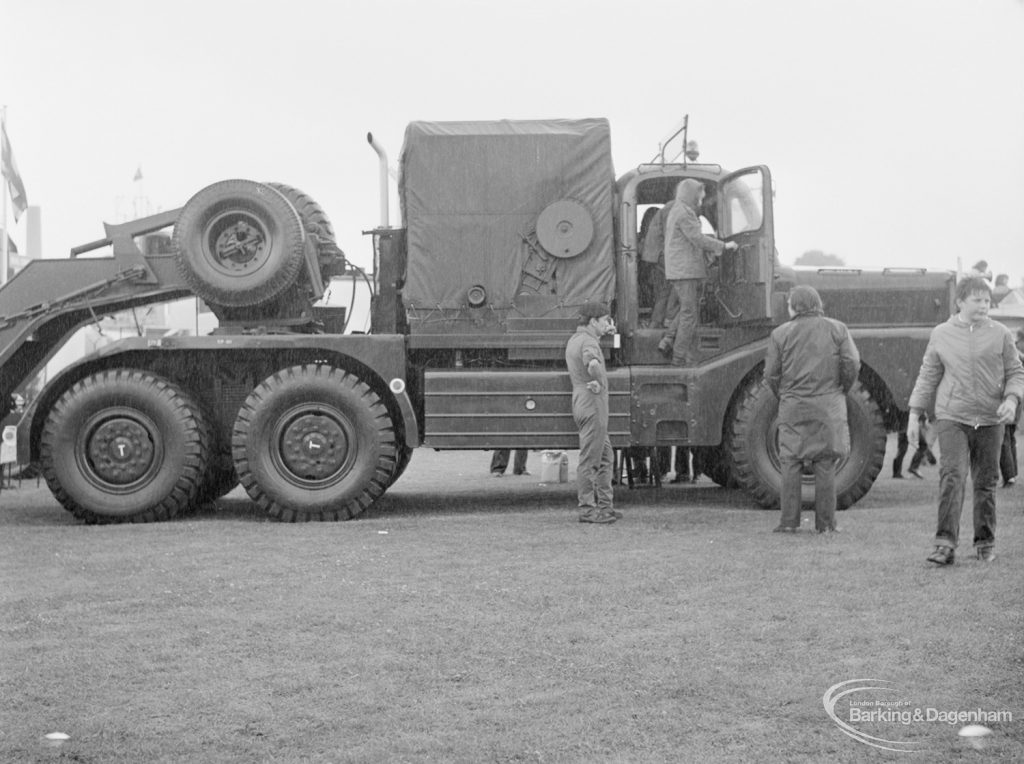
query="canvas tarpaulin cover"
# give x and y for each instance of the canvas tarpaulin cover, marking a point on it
(471, 194)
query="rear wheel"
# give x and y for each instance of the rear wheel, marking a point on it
(239, 243)
(754, 451)
(124, 446)
(314, 443)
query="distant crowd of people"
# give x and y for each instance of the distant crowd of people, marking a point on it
(1000, 288)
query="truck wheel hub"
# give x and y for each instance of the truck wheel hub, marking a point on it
(314, 446)
(120, 451)
(239, 246)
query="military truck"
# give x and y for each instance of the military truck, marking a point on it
(508, 227)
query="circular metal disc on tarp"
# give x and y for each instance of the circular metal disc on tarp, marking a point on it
(565, 228)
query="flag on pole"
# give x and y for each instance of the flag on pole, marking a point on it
(19, 200)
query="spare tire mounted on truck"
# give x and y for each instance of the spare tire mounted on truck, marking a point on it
(239, 243)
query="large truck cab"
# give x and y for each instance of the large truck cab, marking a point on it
(739, 292)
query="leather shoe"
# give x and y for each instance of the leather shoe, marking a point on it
(943, 555)
(986, 553)
(600, 518)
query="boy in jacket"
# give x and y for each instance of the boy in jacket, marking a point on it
(972, 376)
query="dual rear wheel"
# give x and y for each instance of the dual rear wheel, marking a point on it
(311, 442)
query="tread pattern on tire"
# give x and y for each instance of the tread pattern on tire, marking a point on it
(366, 493)
(402, 461)
(312, 214)
(184, 410)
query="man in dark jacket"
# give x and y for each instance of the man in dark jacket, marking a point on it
(663, 311)
(811, 364)
(972, 376)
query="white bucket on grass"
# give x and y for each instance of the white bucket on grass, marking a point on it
(554, 467)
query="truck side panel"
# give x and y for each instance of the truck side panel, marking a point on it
(674, 406)
(514, 409)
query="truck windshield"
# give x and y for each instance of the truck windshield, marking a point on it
(743, 210)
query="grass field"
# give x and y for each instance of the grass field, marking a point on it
(471, 619)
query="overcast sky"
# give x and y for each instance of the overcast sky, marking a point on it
(894, 129)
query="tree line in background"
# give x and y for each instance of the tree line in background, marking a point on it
(816, 257)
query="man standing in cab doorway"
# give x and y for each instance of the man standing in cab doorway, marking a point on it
(686, 268)
(971, 375)
(811, 364)
(585, 361)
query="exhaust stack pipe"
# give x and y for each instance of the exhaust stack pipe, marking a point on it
(384, 192)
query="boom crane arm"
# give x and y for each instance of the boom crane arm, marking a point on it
(34, 323)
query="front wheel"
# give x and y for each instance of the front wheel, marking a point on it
(314, 443)
(754, 450)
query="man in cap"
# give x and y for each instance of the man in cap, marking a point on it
(589, 377)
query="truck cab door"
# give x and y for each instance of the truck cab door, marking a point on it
(742, 288)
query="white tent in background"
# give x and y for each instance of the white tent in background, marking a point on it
(1010, 310)
(1013, 297)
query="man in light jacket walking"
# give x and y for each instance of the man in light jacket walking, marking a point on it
(971, 375)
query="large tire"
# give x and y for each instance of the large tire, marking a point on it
(314, 443)
(124, 446)
(754, 452)
(239, 243)
(314, 219)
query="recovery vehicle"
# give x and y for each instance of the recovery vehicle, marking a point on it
(508, 227)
